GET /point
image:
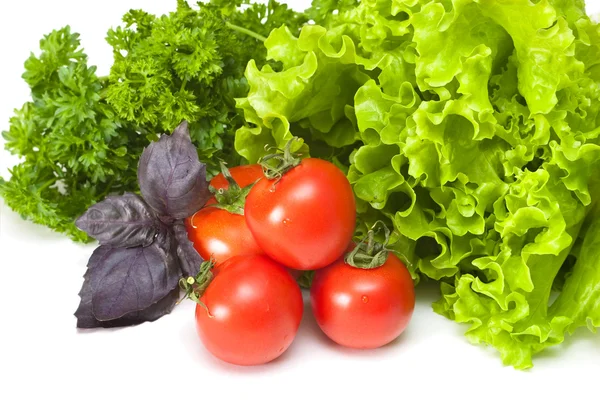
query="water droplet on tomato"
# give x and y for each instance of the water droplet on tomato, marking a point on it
(365, 299)
(272, 189)
(286, 221)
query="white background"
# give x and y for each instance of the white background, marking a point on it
(43, 354)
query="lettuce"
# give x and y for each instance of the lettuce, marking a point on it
(470, 126)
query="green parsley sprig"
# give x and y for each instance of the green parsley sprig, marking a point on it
(81, 135)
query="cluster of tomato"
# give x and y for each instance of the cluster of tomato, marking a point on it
(300, 220)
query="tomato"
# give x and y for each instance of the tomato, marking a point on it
(218, 233)
(254, 311)
(219, 267)
(306, 219)
(363, 308)
(225, 264)
(244, 175)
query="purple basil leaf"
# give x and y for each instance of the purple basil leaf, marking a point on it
(172, 180)
(86, 320)
(156, 310)
(125, 280)
(120, 221)
(189, 258)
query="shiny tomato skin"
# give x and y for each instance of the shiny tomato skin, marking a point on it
(217, 268)
(231, 261)
(219, 234)
(255, 310)
(362, 308)
(306, 219)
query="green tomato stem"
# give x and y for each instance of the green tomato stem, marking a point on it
(369, 253)
(280, 161)
(233, 198)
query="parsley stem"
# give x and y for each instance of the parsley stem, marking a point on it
(245, 31)
(46, 185)
(109, 188)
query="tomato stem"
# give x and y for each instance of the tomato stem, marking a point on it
(233, 198)
(280, 161)
(194, 286)
(225, 171)
(369, 253)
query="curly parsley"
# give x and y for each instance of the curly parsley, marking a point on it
(81, 135)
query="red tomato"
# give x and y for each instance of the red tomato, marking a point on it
(216, 232)
(306, 219)
(363, 308)
(219, 267)
(244, 175)
(254, 311)
(219, 234)
(225, 264)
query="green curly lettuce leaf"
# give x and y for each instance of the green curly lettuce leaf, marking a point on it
(580, 297)
(472, 128)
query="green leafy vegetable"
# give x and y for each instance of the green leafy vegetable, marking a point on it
(81, 135)
(472, 128)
